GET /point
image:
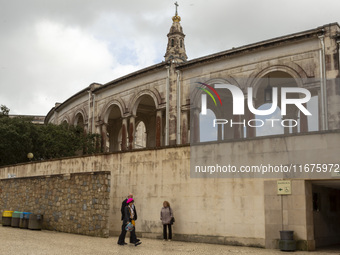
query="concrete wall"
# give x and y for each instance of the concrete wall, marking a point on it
(217, 210)
(288, 212)
(208, 210)
(75, 203)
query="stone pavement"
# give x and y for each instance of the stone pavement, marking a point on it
(27, 242)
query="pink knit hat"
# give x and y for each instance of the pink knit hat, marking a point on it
(129, 200)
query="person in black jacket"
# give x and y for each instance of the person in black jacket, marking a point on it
(124, 204)
(129, 216)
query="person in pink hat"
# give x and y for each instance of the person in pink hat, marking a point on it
(129, 217)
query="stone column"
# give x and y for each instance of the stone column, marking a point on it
(132, 132)
(303, 121)
(294, 129)
(124, 134)
(159, 128)
(185, 127)
(104, 136)
(320, 126)
(219, 130)
(291, 115)
(251, 131)
(285, 129)
(195, 126)
(237, 127)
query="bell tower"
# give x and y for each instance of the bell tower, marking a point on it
(176, 48)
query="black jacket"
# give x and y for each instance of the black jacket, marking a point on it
(124, 205)
(127, 217)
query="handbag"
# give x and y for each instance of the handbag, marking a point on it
(172, 217)
(129, 227)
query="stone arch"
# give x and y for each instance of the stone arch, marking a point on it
(145, 107)
(65, 120)
(223, 111)
(140, 138)
(79, 117)
(112, 127)
(195, 95)
(137, 98)
(106, 112)
(279, 76)
(295, 71)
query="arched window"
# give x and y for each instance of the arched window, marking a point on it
(181, 43)
(79, 120)
(146, 131)
(270, 124)
(207, 132)
(114, 129)
(172, 42)
(65, 123)
(140, 136)
(275, 123)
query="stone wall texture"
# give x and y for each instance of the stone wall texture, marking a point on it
(72, 203)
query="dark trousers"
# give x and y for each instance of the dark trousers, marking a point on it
(164, 231)
(121, 239)
(133, 237)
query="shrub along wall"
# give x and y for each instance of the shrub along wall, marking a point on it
(75, 203)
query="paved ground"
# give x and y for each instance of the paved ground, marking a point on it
(27, 242)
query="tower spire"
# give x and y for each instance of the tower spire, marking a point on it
(176, 48)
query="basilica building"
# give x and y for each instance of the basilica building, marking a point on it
(153, 106)
(172, 131)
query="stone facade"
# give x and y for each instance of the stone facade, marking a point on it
(73, 203)
(159, 95)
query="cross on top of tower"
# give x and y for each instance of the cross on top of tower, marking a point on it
(176, 18)
(176, 8)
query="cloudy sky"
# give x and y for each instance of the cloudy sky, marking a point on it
(51, 49)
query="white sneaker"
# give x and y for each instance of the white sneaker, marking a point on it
(169, 240)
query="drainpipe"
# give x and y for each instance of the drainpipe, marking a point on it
(323, 84)
(88, 118)
(178, 136)
(93, 110)
(167, 92)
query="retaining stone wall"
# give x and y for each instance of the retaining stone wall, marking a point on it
(74, 203)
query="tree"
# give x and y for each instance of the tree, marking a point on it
(15, 140)
(19, 136)
(4, 111)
